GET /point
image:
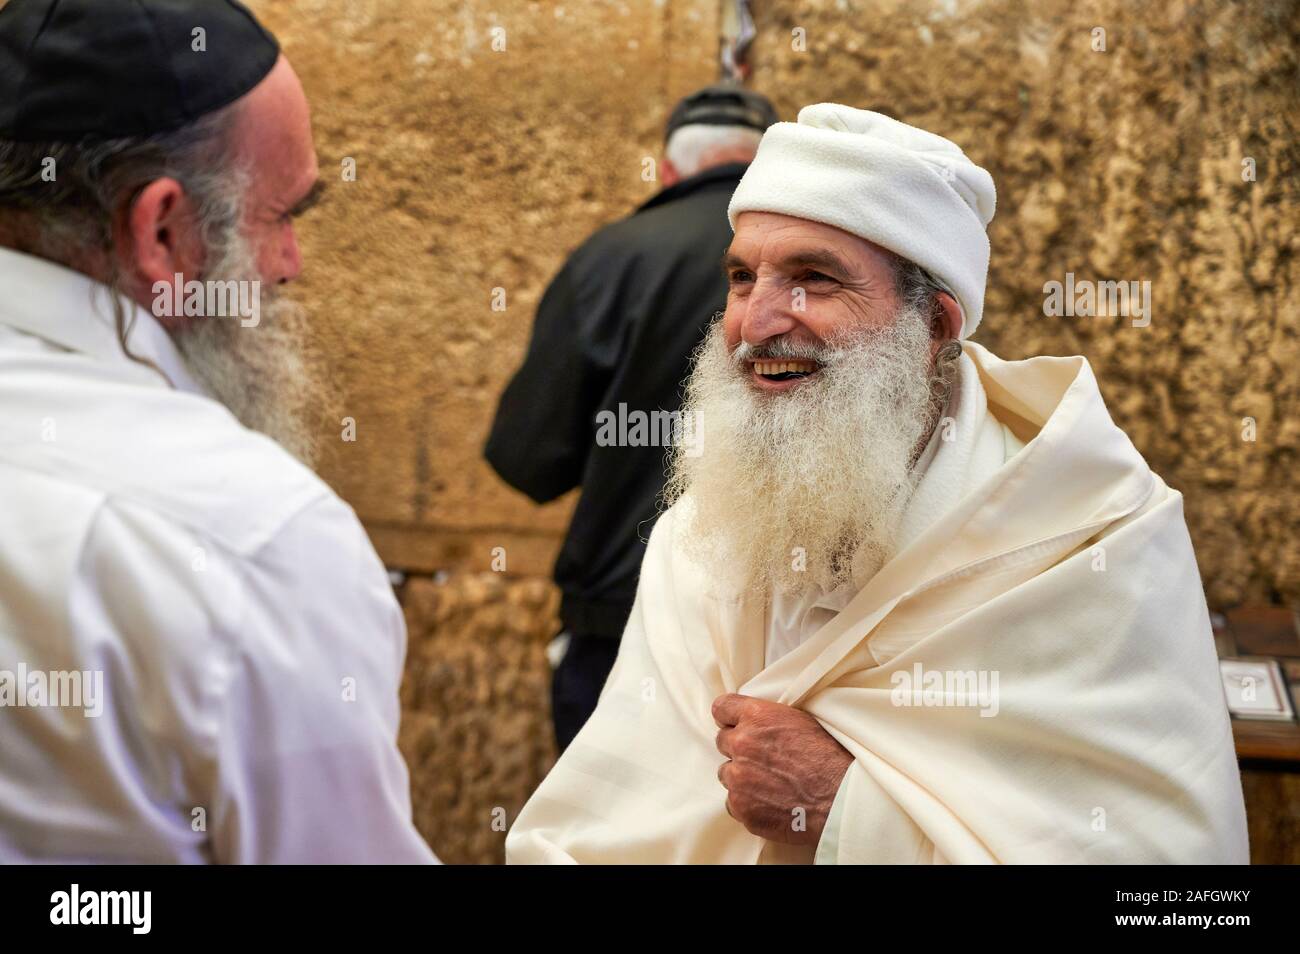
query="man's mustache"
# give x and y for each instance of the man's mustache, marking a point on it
(784, 348)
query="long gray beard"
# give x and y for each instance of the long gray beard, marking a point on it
(805, 488)
(263, 374)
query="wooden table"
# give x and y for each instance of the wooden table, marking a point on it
(1257, 739)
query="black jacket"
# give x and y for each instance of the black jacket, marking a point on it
(616, 326)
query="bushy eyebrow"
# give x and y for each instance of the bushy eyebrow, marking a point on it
(731, 260)
(821, 260)
(313, 197)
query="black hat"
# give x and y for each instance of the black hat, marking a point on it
(71, 69)
(722, 105)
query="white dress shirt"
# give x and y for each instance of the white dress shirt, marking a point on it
(248, 641)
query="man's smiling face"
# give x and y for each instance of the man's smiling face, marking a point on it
(796, 286)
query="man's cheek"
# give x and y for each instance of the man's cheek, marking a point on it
(826, 320)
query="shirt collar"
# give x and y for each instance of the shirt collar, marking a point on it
(75, 312)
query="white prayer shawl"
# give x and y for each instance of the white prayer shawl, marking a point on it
(1069, 574)
(967, 447)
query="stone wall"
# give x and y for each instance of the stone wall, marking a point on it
(476, 726)
(1119, 165)
(478, 169)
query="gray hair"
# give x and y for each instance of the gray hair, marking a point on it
(71, 219)
(97, 180)
(917, 288)
(689, 147)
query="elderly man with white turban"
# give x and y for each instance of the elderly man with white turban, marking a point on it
(911, 602)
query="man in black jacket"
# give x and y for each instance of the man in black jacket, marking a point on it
(612, 342)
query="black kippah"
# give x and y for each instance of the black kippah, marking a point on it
(723, 104)
(72, 69)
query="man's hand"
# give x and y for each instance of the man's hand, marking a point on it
(784, 768)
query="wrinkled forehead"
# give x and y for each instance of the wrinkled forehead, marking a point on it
(775, 237)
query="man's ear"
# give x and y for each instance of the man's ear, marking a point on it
(161, 238)
(668, 174)
(945, 322)
(947, 318)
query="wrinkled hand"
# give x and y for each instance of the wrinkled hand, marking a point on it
(784, 768)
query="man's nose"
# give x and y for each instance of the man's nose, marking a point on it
(769, 312)
(291, 266)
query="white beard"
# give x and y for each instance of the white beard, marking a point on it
(262, 373)
(805, 488)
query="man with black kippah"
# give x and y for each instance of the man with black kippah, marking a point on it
(199, 649)
(611, 343)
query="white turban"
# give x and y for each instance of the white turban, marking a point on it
(903, 188)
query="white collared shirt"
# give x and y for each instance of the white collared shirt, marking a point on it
(242, 632)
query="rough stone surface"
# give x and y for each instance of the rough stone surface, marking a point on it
(479, 169)
(1119, 165)
(476, 714)
(476, 169)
